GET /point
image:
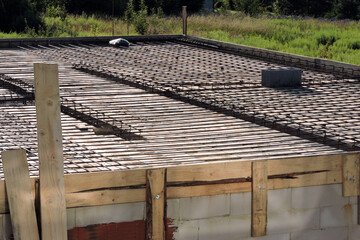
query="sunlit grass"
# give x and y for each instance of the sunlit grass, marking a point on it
(338, 41)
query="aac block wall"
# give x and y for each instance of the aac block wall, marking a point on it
(306, 213)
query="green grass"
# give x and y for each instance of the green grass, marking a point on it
(338, 41)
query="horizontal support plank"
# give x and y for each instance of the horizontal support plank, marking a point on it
(208, 190)
(102, 180)
(104, 197)
(306, 180)
(209, 172)
(92, 189)
(304, 164)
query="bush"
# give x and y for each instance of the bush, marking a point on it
(141, 21)
(354, 45)
(326, 40)
(251, 7)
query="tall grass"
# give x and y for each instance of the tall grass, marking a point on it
(332, 40)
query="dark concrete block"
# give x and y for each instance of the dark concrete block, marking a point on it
(287, 77)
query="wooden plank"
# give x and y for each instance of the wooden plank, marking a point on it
(209, 172)
(105, 197)
(304, 164)
(351, 175)
(155, 204)
(52, 191)
(207, 190)
(20, 195)
(259, 199)
(91, 181)
(306, 180)
(4, 205)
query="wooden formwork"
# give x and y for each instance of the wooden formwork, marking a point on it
(155, 186)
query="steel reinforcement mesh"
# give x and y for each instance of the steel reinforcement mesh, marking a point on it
(325, 109)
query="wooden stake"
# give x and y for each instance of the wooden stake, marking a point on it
(184, 18)
(20, 195)
(259, 198)
(351, 175)
(155, 204)
(52, 190)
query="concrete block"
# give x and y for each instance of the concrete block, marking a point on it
(324, 234)
(279, 222)
(173, 206)
(353, 200)
(229, 228)
(282, 236)
(109, 214)
(71, 219)
(305, 219)
(204, 207)
(279, 200)
(288, 77)
(294, 220)
(240, 204)
(338, 216)
(187, 230)
(354, 232)
(318, 196)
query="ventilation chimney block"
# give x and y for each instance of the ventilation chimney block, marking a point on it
(277, 78)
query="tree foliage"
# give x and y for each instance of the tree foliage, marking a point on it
(16, 15)
(314, 8)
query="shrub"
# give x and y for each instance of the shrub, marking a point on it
(141, 21)
(354, 45)
(326, 40)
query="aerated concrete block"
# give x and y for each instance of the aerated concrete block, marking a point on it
(118, 213)
(294, 220)
(71, 218)
(318, 196)
(279, 200)
(186, 230)
(204, 207)
(229, 228)
(338, 216)
(274, 78)
(173, 207)
(240, 204)
(282, 236)
(324, 234)
(354, 232)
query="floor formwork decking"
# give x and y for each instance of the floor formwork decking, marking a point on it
(175, 132)
(192, 111)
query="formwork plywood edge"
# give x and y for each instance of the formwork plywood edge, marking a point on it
(126, 186)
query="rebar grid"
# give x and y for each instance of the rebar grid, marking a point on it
(223, 82)
(24, 92)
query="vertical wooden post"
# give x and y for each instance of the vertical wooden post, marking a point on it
(184, 18)
(351, 175)
(52, 190)
(358, 211)
(155, 204)
(20, 196)
(259, 198)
